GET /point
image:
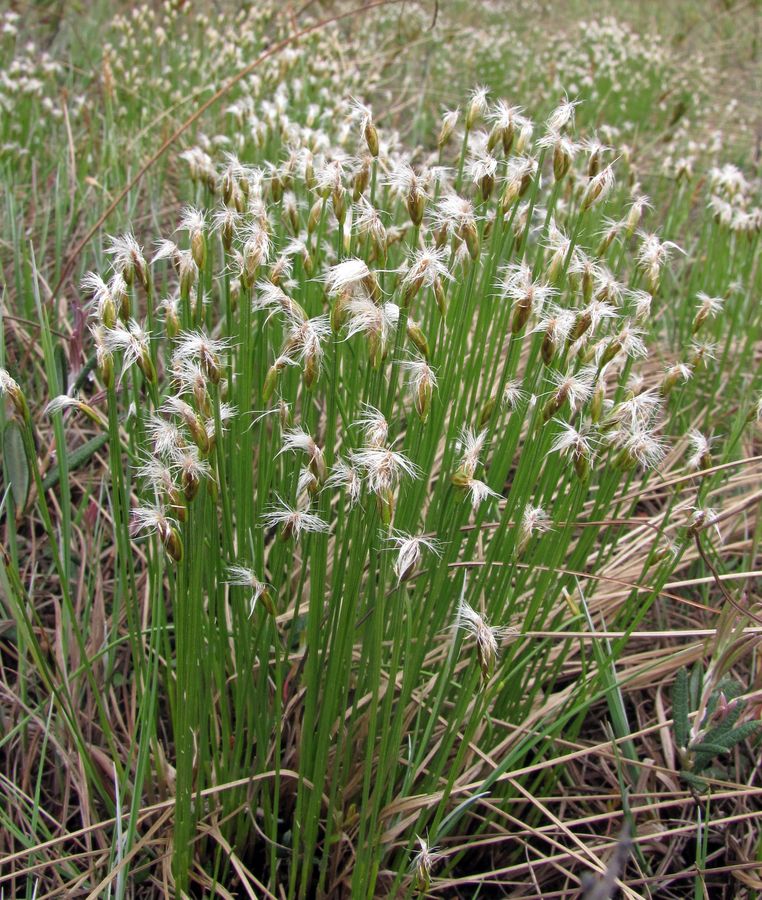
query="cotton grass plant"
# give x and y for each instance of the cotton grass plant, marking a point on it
(400, 448)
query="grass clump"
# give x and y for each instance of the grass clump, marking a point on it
(334, 515)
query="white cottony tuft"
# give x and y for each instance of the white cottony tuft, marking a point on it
(347, 274)
(293, 521)
(487, 636)
(409, 554)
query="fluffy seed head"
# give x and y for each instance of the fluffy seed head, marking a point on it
(423, 863)
(425, 266)
(409, 549)
(653, 254)
(154, 520)
(293, 522)
(449, 122)
(562, 116)
(382, 468)
(347, 274)
(534, 520)
(374, 425)
(487, 636)
(347, 477)
(422, 380)
(701, 450)
(578, 444)
(639, 446)
(471, 444)
(477, 106)
(706, 308)
(599, 187)
(702, 518)
(574, 387)
(243, 576)
(479, 491)
(128, 258)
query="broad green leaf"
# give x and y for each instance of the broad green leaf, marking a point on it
(16, 464)
(77, 458)
(680, 708)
